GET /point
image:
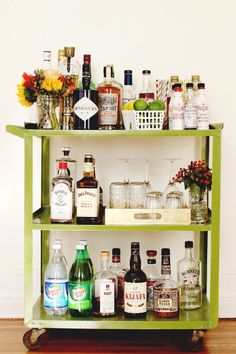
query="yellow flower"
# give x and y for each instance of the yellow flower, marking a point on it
(47, 84)
(56, 85)
(21, 96)
(50, 84)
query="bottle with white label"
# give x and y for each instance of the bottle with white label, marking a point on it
(128, 90)
(176, 109)
(135, 286)
(190, 109)
(87, 195)
(202, 108)
(56, 283)
(47, 64)
(188, 273)
(151, 272)
(61, 196)
(105, 289)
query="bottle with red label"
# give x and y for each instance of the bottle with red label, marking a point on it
(147, 92)
(151, 272)
(120, 272)
(176, 109)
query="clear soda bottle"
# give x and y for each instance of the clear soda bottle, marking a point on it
(56, 283)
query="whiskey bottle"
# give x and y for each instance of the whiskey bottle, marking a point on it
(87, 195)
(135, 286)
(120, 272)
(188, 273)
(109, 102)
(152, 276)
(105, 285)
(61, 196)
(166, 297)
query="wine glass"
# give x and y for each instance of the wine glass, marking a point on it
(171, 187)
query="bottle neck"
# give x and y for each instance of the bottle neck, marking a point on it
(135, 262)
(57, 254)
(63, 172)
(146, 82)
(189, 95)
(86, 82)
(80, 255)
(116, 261)
(165, 266)
(188, 253)
(151, 261)
(88, 170)
(104, 263)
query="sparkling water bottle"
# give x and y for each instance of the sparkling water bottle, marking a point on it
(56, 283)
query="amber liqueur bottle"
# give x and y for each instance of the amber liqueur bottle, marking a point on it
(135, 286)
(86, 101)
(87, 194)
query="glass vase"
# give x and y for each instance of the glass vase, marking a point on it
(198, 204)
(47, 108)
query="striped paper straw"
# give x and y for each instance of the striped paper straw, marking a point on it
(161, 94)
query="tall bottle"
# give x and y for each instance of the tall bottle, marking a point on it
(176, 109)
(128, 90)
(109, 102)
(202, 108)
(190, 109)
(151, 272)
(80, 284)
(86, 252)
(101, 207)
(56, 283)
(47, 64)
(87, 194)
(120, 272)
(61, 60)
(188, 272)
(86, 100)
(61, 196)
(135, 286)
(105, 285)
(146, 91)
(72, 66)
(166, 296)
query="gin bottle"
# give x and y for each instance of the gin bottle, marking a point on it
(188, 270)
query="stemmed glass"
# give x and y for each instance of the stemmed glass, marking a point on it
(171, 187)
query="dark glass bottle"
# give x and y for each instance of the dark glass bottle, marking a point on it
(120, 272)
(87, 195)
(86, 101)
(135, 286)
(80, 284)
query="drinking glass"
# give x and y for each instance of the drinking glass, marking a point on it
(137, 195)
(171, 187)
(154, 200)
(173, 200)
(118, 195)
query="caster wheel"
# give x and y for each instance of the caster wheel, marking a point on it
(194, 341)
(34, 338)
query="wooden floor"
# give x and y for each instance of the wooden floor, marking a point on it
(221, 340)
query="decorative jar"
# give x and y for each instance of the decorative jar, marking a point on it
(47, 109)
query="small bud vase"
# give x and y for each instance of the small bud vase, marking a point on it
(198, 204)
(47, 107)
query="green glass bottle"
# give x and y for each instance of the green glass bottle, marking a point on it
(84, 242)
(80, 284)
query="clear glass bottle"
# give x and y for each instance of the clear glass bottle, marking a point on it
(109, 102)
(80, 284)
(72, 66)
(151, 272)
(202, 108)
(120, 272)
(47, 64)
(174, 79)
(128, 90)
(176, 109)
(135, 286)
(87, 195)
(190, 110)
(146, 92)
(105, 285)
(166, 295)
(61, 196)
(56, 283)
(61, 60)
(189, 282)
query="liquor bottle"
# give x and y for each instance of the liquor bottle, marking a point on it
(86, 100)
(188, 273)
(47, 64)
(135, 286)
(87, 68)
(61, 60)
(105, 285)
(146, 92)
(190, 110)
(85, 244)
(109, 102)
(56, 283)
(128, 90)
(80, 284)
(202, 108)
(62, 196)
(101, 207)
(152, 276)
(166, 296)
(72, 66)
(176, 109)
(195, 80)
(174, 79)
(118, 84)
(87, 195)
(120, 272)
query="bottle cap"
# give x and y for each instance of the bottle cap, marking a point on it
(69, 52)
(200, 85)
(188, 244)
(177, 88)
(83, 242)
(66, 151)
(61, 53)
(62, 165)
(195, 78)
(176, 85)
(165, 251)
(105, 254)
(80, 247)
(116, 251)
(47, 55)
(87, 58)
(128, 77)
(146, 71)
(88, 158)
(174, 78)
(135, 245)
(189, 85)
(151, 253)
(56, 246)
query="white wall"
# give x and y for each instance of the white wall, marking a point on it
(169, 37)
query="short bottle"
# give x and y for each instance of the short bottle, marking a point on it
(195, 79)
(128, 90)
(174, 79)
(146, 91)
(87, 195)
(166, 296)
(56, 283)
(135, 286)
(80, 284)
(202, 108)
(188, 273)
(151, 272)
(176, 109)
(120, 272)
(61, 196)
(105, 285)
(190, 109)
